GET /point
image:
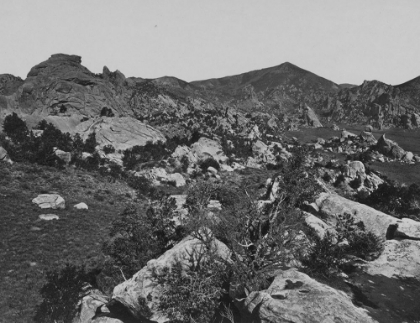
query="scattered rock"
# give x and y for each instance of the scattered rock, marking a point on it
(49, 201)
(81, 206)
(408, 156)
(48, 217)
(63, 155)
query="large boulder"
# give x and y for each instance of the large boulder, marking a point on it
(332, 205)
(93, 309)
(295, 297)
(205, 148)
(63, 155)
(389, 148)
(49, 201)
(122, 133)
(143, 286)
(354, 169)
(182, 151)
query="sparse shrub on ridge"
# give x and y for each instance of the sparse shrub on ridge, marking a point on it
(327, 255)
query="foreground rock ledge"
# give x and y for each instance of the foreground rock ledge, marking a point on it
(295, 297)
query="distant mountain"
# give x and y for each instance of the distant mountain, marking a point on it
(279, 89)
(63, 91)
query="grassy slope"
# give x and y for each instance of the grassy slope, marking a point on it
(29, 246)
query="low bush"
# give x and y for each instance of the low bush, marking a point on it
(61, 294)
(192, 294)
(328, 255)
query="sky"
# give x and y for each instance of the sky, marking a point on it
(342, 40)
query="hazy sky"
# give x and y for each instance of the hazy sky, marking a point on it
(345, 41)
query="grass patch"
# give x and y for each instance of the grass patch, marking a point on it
(29, 246)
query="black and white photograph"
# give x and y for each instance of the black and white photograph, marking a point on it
(219, 161)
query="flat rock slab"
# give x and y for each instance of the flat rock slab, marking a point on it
(400, 258)
(48, 217)
(49, 201)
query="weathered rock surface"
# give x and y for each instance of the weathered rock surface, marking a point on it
(93, 309)
(81, 206)
(122, 133)
(142, 284)
(400, 258)
(389, 148)
(205, 148)
(63, 155)
(295, 297)
(48, 217)
(375, 221)
(4, 157)
(49, 201)
(182, 151)
(311, 118)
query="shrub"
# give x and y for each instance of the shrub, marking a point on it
(140, 235)
(61, 294)
(108, 149)
(90, 143)
(192, 294)
(15, 128)
(327, 255)
(143, 154)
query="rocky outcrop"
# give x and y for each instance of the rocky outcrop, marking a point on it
(389, 148)
(49, 201)
(375, 221)
(122, 133)
(143, 286)
(311, 119)
(295, 297)
(205, 148)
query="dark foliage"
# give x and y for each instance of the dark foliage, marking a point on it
(140, 235)
(209, 162)
(61, 294)
(15, 128)
(397, 200)
(327, 255)
(108, 149)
